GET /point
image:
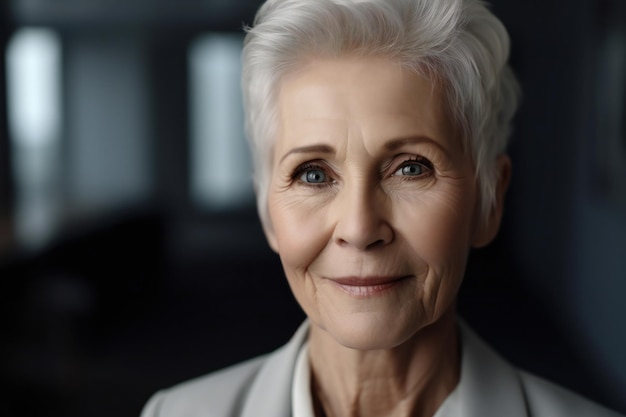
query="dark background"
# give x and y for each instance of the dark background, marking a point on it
(137, 287)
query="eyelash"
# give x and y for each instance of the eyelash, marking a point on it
(420, 160)
(301, 169)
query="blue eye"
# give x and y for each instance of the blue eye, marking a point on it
(313, 176)
(411, 170)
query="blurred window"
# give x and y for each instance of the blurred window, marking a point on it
(219, 161)
(34, 109)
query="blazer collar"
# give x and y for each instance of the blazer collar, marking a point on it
(489, 386)
(270, 393)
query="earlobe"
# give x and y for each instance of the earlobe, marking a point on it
(270, 236)
(489, 225)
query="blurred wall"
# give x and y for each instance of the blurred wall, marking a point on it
(567, 225)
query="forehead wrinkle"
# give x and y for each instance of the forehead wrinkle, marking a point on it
(330, 111)
(398, 143)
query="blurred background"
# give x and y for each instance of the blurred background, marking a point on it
(131, 257)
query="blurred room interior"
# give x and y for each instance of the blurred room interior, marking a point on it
(131, 257)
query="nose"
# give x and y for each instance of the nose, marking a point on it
(362, 219)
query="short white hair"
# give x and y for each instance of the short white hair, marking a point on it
(458, 43)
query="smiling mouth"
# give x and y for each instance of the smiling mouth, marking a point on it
(369, 286)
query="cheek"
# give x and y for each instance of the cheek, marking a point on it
(438, 229)
(300, 237)
(299, 230)
(447, 228)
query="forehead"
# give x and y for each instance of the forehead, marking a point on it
(374, 94)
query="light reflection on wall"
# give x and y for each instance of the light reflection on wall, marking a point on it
(220, 167)
(34, 107)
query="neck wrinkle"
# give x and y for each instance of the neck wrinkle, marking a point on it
(412, 379)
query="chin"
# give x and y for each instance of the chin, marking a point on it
(368, 331)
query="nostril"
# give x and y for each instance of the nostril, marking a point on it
(362, 228)
(379, 242)
(342, 242)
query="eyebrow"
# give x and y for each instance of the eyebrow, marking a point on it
(321, 148)
(394, 144)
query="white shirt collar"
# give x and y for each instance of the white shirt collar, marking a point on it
(301, 400)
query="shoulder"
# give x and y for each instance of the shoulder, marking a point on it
(259, 387)
(491, 386)
(547, 399)
(217, 394)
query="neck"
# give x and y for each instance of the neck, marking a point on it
(412, 379)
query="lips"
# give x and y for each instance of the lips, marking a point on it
(367, 286)
(366, 281)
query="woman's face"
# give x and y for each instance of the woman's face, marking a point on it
(372, 202)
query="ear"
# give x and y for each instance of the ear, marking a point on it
(266, 222)
(268, 229)
(488, 226)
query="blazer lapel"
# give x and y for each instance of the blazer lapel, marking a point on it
(489, 386)
(270, 393)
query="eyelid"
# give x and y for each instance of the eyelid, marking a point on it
(406, 159)
(299, 170)
(415, 158)
(412, 159)
(315, 164)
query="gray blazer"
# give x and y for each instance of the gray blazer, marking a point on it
(261, 387)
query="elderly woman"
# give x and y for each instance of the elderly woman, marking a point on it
(378, 129)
